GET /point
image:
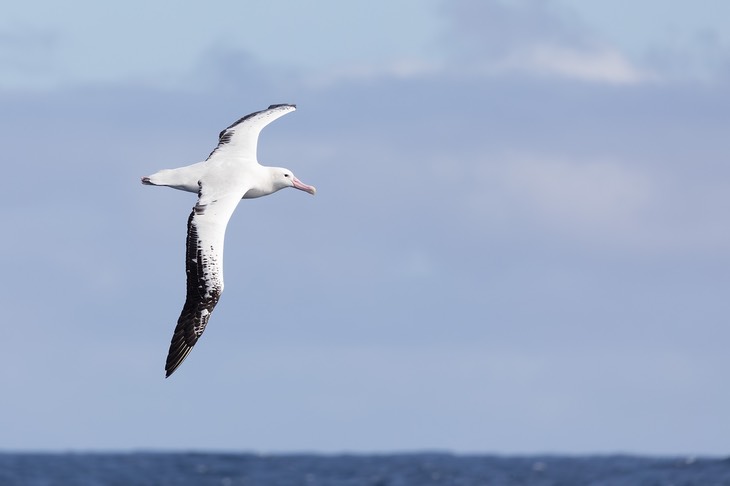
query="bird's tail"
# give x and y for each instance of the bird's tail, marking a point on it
(184, 178)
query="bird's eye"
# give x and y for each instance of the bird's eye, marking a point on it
(286, 175)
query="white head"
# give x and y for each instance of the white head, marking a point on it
(285, 178)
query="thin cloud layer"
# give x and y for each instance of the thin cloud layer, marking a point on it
(533, 38)
(604, 65)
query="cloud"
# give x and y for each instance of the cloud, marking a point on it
(598, 65)
(493, 37)
(400, 69)
(593, 203)
(577, 193)
(496, 38)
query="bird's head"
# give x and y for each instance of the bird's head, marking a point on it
(285, 178)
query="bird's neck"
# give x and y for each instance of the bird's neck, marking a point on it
(265, 183)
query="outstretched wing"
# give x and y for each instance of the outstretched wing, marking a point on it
(204, 267)
(241, 138)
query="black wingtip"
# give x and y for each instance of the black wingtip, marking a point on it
(178, 352)
(282, 104)
(169, 370)
(171, 367)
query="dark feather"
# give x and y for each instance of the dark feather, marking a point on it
(202, 296)
(224, 136)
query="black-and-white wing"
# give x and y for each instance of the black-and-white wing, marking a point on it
(204, 267)
(241, 138)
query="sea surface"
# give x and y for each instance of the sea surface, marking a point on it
(203, 469)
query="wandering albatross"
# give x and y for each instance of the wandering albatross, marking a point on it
(229, 174)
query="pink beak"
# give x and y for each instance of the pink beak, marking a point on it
(304, 187)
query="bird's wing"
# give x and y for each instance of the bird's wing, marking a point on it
(239, 140)
(204, 267)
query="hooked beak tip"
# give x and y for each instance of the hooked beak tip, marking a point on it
(304, 187)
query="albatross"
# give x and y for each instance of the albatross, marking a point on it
(230, 173)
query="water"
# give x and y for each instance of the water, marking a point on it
(183, 469)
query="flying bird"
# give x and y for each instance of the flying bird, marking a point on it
(229, 174)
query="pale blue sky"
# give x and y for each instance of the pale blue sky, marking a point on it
(519, 242)
(646, 24)
(152, 41)
(44, 44)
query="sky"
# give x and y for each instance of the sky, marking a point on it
(519, 242)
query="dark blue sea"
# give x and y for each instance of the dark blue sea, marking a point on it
(203, 469)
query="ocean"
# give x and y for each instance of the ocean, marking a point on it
(209, 469)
